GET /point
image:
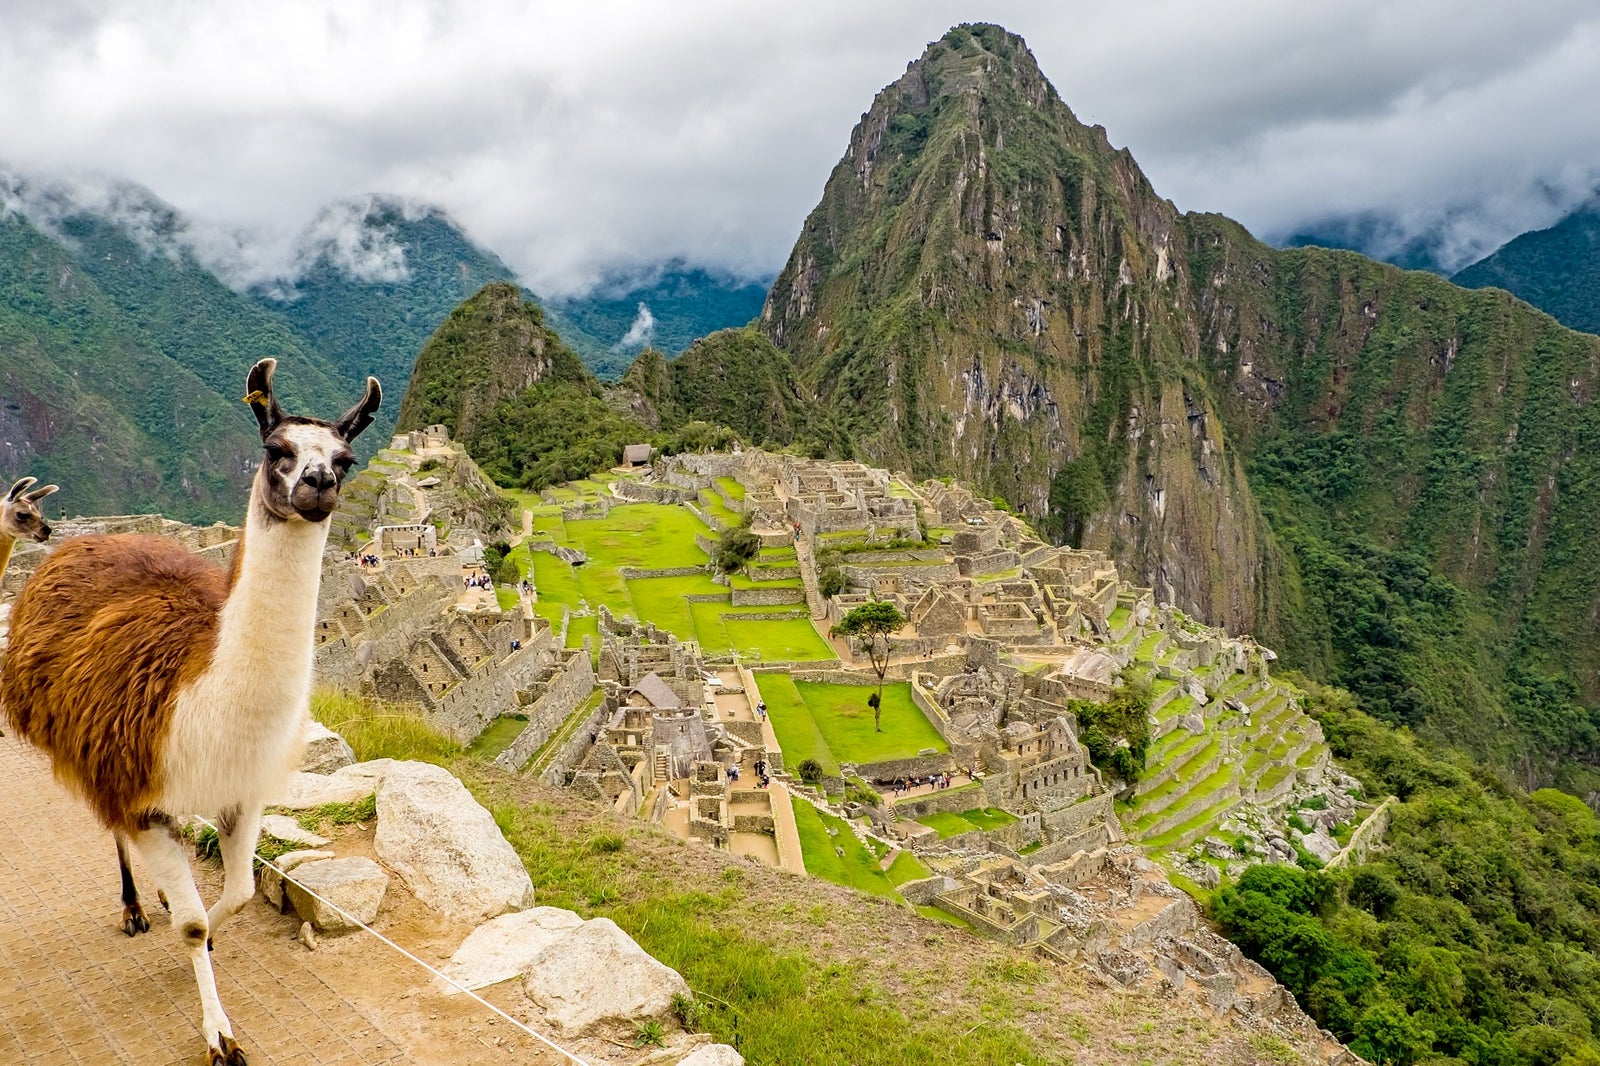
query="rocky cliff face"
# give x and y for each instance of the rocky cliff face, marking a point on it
(989, 289)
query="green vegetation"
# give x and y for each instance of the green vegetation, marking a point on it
(497, 737)
(873, 623)
(949, 824)
(1116, 733)
(1556, 270)
(1472, 936)
(377, 730)
(859, 867)
(833, 724)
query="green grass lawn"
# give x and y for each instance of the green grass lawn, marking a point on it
(950, 824)
(645, 535)
(712, 505)
(730, 488)
(498, 737)
(797, 732)
(777, 641)
(858, 867)
(743, 581)
(845, 720)
(507, 597)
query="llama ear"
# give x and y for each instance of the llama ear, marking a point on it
(38, 494)
(258, 394)
(20, 487)
(359, 417)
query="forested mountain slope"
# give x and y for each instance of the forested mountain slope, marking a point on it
(1381, 474)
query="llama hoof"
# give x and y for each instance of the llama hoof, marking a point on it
(133, 920)
(162, 896)
(225, 1053)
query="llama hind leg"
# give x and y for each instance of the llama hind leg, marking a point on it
(237, 831)
(165, 855)
(133, 920)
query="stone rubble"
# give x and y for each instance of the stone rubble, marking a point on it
(326, 751)
(597, 974)
(445, 845)
(356, 885)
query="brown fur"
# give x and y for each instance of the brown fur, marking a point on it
(104, 636)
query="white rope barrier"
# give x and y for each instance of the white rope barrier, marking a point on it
(353, 920)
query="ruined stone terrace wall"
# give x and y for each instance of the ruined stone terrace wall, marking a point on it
(576, 746)
(1096, 810)
(641, 492)
(762, 597)
(466, 708)
(568, 688)
(915, 766)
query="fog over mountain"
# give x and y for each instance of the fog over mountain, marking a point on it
(579, 142)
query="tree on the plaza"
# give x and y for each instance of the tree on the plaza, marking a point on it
(873, 622)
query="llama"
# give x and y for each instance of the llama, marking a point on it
(21, 519)
(163, 686)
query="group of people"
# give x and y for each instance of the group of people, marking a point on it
(902, 785)
(414, 553)
(367, 560)
(476, 581)
(763, 778)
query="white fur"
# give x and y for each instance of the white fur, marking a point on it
(236, 731)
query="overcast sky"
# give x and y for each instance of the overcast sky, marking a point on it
(576, 138)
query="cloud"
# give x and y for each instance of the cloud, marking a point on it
(640, 334)
(581, 141)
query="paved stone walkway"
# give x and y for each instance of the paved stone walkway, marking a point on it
(74, 989)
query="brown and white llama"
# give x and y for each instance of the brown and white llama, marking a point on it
(163, 686)
(21, 519)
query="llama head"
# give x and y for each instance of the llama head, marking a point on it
(20, 517)
(306, 458)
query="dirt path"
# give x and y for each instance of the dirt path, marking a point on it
(73, 989)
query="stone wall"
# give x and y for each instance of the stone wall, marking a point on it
(567, 688)
(764, 597)
(1368, 834)
(576, 746)
(466, 708)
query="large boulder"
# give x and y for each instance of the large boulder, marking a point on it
(355, 885)
(348, 784)
(713, 1055)
(271, 881)
(504, 947)
(597, 974)
(445, 846)
(326, 751)
(282, 827)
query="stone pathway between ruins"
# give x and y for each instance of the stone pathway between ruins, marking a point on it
(74, 989)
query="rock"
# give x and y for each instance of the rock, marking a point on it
(445, 846)
(307, 937)
(504, 947)
(345, 785)
(1319, 844)
(1193, 722)
(596, 973)
(356, 885)
(326, 751)
(1218, 848)
(272, 882)
(714, 1055)
(282, 827)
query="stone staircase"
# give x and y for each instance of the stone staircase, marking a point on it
(808, 577)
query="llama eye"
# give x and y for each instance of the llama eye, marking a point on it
(276, 454)
(343, 464)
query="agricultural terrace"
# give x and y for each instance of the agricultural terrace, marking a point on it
(833, 724)
(649, 536)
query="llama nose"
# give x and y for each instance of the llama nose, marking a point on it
(319, 478)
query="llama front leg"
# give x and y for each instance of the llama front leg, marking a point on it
(133, 920)
(237, 831)
(165, 855)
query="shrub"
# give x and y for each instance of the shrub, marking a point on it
(810, 771)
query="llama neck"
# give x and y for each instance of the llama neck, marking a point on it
(269, 618)
(6, 544)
